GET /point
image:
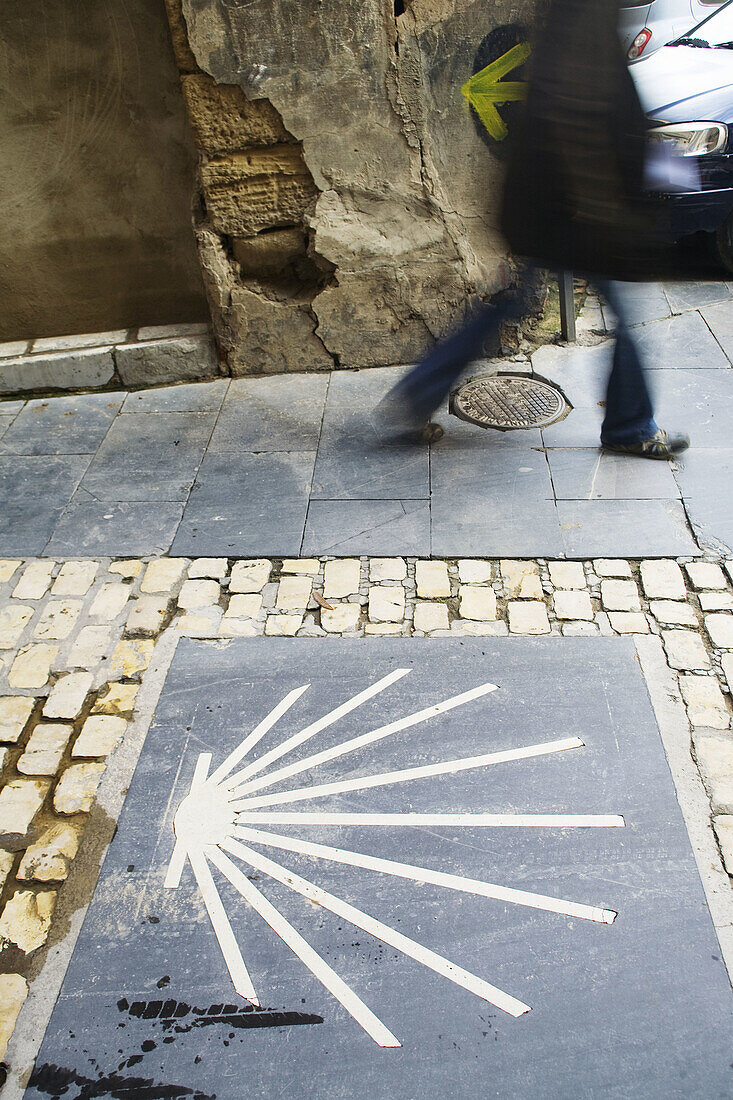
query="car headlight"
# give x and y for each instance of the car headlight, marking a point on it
(692, 139)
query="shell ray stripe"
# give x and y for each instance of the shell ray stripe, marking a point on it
(209, 823)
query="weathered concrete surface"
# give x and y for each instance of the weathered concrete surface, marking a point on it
(276, 333)
(110, 360)
(97, 172)
(254, 190)
(404, 188)
(79, 368)
(174, 360)
(269, 253)
(224, 120)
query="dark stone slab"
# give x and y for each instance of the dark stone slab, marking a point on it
(191, 397)
(681, 343)
(693, 295)
(278, 413)
(593, 474)
(245, 505)
(90, 526)
(697, 402)
(5, 422)
(705, 478)
(492, 494)
(362, 390)
(150, 458)
(353, 464)
(625, 529)
(33, 493)
(644, 302)
(719, 319)
(581, 375)
(712, 522)
(62, 425)
(496, 528)
(382, 528)
(635, 1009)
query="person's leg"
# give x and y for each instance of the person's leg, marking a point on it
(629, 414)
(427, 384)
(411, 403)
(629, 425)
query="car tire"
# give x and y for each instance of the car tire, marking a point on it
(723, 243)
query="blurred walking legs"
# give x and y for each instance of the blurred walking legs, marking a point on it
(409, 406)
(629, 416)
(628, 424)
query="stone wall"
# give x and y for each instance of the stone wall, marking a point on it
(96, 174)
(348, 192)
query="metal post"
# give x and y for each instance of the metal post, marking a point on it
(567, 306)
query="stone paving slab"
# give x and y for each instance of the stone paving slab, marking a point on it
(683, 342)
(581, 376)
(696, 401)
(350, 467)
(586, 473)
(148, 957)
(719, 321)
(346, 527)
(149, 458)
(685, 296)
(285, 414)
(620, 527)
(298, 457)
(77, 637)
(246, 503)
(645, 302)
(91, 526)
(188, 397)
(62, 425)
(702, 477)
(33, 494)
(500, 527)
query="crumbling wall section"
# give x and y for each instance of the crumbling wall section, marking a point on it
(255, 191)
(346, 201)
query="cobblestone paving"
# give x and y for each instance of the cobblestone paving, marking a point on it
(76, 638)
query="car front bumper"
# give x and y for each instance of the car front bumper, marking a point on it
(707, 209)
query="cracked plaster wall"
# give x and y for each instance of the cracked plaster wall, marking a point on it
(381, 170)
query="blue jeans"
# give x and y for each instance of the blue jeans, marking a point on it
(629, 417)
(629, 414)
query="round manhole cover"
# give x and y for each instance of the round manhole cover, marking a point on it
(509, 402)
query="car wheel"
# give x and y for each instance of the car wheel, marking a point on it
(723, 243)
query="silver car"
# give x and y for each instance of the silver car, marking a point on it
(647, 25)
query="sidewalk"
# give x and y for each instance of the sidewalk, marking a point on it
(290, 464)
(559, 731)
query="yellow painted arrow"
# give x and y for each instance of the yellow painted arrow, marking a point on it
(485, 89)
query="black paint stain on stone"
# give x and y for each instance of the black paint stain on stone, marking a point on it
(164, 981)
(493, 46)
(180, 1017)
(56, 1081)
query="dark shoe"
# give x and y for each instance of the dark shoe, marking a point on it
(659, 445)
